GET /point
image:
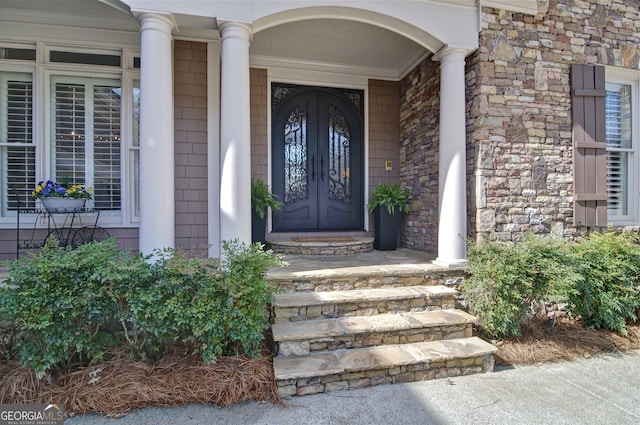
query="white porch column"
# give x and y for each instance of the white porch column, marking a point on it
(452, 217)
(157, 206)
(235, 134)
(213, 147)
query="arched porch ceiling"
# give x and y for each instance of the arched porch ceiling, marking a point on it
(370, 40)
(337, 45)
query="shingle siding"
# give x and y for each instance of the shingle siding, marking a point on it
(190, 104)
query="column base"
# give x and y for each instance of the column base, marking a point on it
(450, 263)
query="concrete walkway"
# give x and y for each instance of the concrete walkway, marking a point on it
(600, 390)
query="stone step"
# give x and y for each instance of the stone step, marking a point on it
(341, 273)
(322, 245)
(363, 367)
(300, 338)
(301, 306)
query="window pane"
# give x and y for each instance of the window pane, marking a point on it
(618, 183)
(70, 152)
(618, 115)
(19, 119)
(88, 137)
(619, 142)
(106, 148)
(136, 112)
(17, 152)
(16, 53)
(88, 58)
(20, 163)
(136, 182)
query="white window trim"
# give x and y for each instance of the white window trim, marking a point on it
(42, 70)
(630, 77)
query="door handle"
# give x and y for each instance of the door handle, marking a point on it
(313, 167)
(322, 167)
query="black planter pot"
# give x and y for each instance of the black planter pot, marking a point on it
(387, 228)
(258, 227)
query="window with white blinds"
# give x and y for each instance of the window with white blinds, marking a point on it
(17, 148)
(106, 147)
(70, 115)
(620, 149)
(87, 136)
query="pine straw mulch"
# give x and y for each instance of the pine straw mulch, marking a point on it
(118, 386)
(115, 387)
(568, 339)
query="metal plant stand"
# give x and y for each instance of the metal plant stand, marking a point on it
(70, 226)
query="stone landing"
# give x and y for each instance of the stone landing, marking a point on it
(375, 269)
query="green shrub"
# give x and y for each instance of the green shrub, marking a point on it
(608, 293)
(8, 337)
(598, 277)
(248, 292)
(59, 301)
(181, 296)
(74, 306)
(220, 311)
(507, 278)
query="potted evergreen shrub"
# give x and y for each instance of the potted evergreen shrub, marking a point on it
(261, 199)
(388, 203)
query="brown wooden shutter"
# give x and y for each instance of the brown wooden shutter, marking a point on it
(589, 146)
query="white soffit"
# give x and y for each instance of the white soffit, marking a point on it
(529, 7)
(523, 6)
(80, 13)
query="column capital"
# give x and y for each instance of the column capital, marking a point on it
(236, 30)
(450, 54)
(158, 21)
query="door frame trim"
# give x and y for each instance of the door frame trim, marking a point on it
(320, 79)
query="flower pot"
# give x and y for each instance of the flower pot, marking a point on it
(258, 227)
(387, 228)
(62, 205)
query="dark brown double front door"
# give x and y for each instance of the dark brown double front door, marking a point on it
(317, 158)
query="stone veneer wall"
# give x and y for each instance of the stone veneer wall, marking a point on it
(520, 155)
(419, 139)
(190, 132)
